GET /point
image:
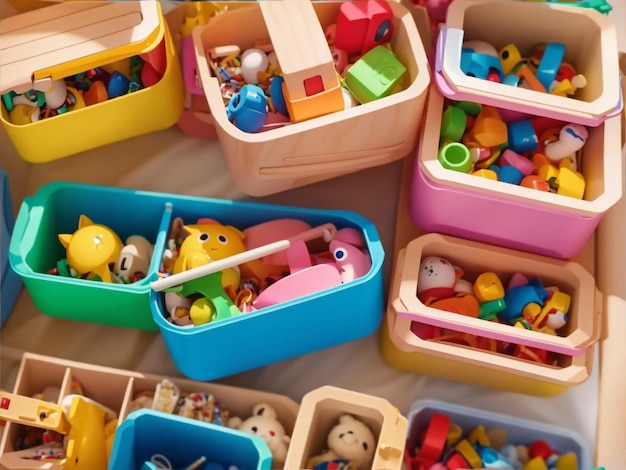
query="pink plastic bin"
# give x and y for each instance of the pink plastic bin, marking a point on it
(468, 206)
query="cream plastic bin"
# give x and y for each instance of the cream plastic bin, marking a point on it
(468, 206)
(319, 412)
(590, 39)
(404, 350)
(583, 326)
(38, 47)
(321, 148)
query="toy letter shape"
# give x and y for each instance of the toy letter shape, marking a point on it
(134, 258)
(91, 248)
(352, 263)
(86, 447)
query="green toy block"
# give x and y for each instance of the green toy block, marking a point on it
(374, 75)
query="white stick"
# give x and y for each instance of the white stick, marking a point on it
(327, 231)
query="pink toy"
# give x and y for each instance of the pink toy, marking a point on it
(436, 280)
(351, 236)
(271, 231)
(523, 164)
(352, 263)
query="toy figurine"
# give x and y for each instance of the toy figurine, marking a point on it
(437, 279)
(350, 441)
(571, 139)
(211, 241)
(264, 423)
(91, 249)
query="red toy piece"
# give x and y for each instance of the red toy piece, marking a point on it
(436, 437)
(362, 25)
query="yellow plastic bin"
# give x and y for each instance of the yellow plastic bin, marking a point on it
(592, 51)
(39, 47)
(324, 147)
(404, 350)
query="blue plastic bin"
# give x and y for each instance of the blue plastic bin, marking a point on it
(11, 283)
(310, 323)
(519, 431)
(145, 433)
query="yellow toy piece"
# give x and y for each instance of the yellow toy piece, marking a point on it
(92, 248)
(469, 454)
(201, 311)
(548, 171)
(536, 464)
(559, 301)
(485, 173)
(109, 436)
(567, 461)
(208, 242)
(488, 287)
(479, 435)
(570, 183)
(86, 444)
(510, 58)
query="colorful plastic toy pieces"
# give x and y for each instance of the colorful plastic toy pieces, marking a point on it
(91, 249)
(442, 445)
(362, 25)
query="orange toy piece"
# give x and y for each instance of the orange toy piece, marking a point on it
(311, 87)
(535, 182)
(489, 129)
(464, 304)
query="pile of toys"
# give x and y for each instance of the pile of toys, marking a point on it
(525, 303)
(260, 94)
(95, 252)
(259, 266)
(542, 70)
(443, 445)
(536, 152)
(86, 88)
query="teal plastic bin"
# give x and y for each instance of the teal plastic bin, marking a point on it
(35, 249)
(147, 433)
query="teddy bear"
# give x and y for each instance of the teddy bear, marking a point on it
(351, 441)
(264, 423)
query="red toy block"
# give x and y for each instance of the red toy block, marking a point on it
(436, 437)
(362, 25)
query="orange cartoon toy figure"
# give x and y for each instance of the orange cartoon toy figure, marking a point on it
(210, 241)
(91, 249)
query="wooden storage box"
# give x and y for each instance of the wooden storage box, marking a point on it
(324, 147)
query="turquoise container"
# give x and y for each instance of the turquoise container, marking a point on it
(146, 433)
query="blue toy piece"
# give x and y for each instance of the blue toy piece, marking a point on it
(248, 108)
(550, 62)
(119, 85)
(522, 136)
(277, 96)
(479, 65)
(519, 297)
(510, 174)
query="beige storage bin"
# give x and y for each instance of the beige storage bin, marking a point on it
(324, 147)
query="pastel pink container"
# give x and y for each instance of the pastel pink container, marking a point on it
(468, 206)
